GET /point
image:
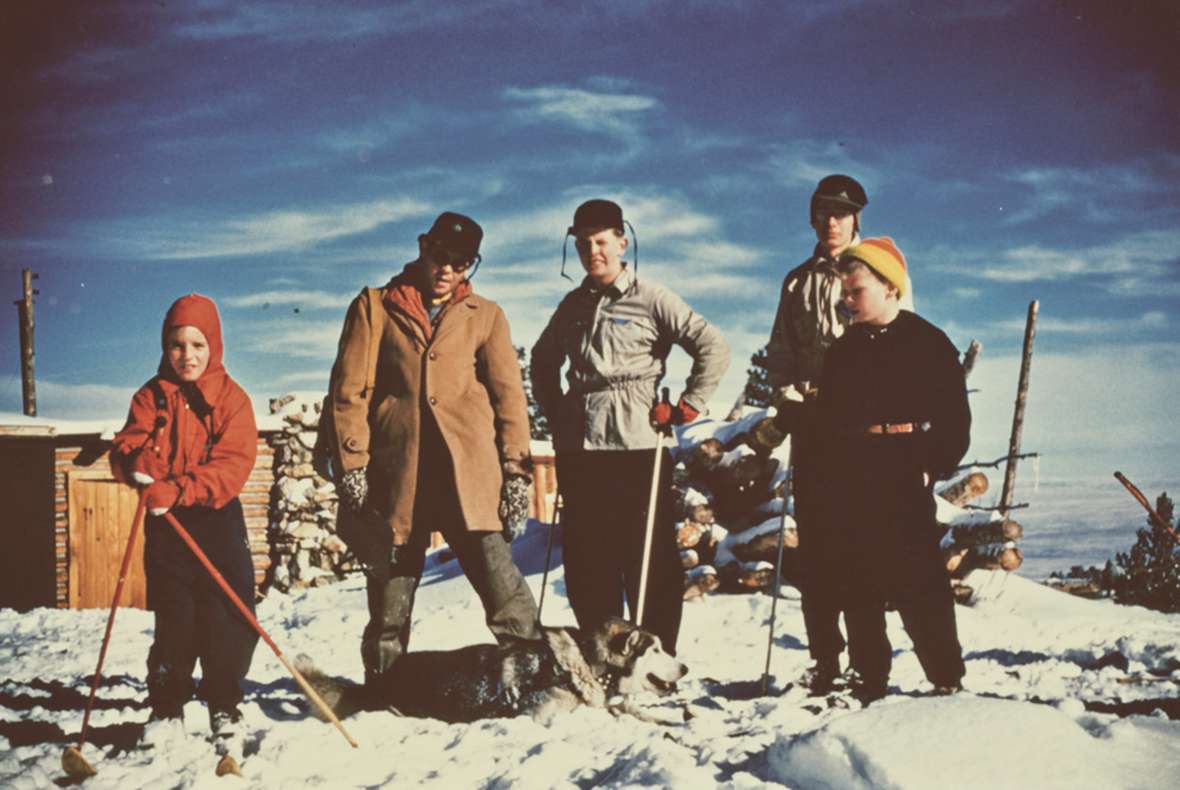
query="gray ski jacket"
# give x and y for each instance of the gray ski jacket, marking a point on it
(616, 341)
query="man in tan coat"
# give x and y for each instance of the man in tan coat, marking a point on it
(440, 441)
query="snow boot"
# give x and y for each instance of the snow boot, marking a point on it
(864, 689)
(228, 738)
(820, 679)
(945, 690)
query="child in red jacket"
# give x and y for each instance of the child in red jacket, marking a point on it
(190, 440)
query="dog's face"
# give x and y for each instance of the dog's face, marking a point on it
(642, 663)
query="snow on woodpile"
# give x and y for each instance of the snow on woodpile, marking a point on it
(733, 506)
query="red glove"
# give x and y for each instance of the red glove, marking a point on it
(684, 413)
(661, 415)
(160, 496)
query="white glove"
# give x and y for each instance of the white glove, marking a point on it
(142, 478)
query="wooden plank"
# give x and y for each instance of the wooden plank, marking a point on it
(100, 523)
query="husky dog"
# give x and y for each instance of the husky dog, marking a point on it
(541, 678)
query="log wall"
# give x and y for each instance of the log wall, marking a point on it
(72, 453)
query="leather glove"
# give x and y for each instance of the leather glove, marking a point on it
(159, 497)
(353, 489)
(514, 505)
(765, 436)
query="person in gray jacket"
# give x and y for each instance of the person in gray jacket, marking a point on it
(616, 332)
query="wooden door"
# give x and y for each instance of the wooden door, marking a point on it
(100, 512)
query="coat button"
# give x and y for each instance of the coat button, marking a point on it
(433, 401)
(352, 444)
(433, 355)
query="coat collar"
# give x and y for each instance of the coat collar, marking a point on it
(621, 285)
(820, 255)
(403, 301)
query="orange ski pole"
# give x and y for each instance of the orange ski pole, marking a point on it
(72, 761)
(246, 613)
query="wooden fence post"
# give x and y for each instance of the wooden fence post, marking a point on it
(28, 379)
(1030, 331)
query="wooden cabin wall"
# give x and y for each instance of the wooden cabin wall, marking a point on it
(90, 453)
(26, 490)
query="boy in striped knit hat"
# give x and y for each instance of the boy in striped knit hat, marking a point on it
(893, 406)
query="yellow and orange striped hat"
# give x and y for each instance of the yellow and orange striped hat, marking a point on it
(882, 254)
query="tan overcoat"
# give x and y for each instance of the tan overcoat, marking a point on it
(467, 375)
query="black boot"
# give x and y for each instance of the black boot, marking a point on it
(866, 689)
(821, 678)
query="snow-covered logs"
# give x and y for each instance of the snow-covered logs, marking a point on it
(975, 538)
(729, 491)
(305, 550)
(729, 488)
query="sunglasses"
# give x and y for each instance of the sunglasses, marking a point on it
(458, 264)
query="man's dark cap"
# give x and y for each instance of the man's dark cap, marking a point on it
(595, 215)
(456, 233)
(840, 191)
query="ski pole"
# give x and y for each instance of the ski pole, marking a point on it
(651, 523)
(1155, 517)
(246, 613)
(549, 550)
(72, 760)
(775, 583)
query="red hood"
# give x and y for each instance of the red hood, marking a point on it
(198, 311)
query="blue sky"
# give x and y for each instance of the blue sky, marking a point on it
(279, 156)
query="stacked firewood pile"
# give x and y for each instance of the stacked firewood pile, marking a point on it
(730, 491)
(975, 539)
(305, 550)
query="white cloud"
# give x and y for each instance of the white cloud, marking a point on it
(301, 22)
(302, 299)
(318, 376)
(269, 232)
(316, 340)
(619, 115)
(1096, 194)
(1151, 320)
(71, 401)
(1134, 264)
(805, 161)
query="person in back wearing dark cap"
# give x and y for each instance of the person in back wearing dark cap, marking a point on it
(807, 322)
(432, 434)
(615, 330)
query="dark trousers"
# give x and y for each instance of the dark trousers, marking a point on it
(819, 601)
(604, 521)
(821, 619)
(927, 610)
(485, 557)
(194, 617)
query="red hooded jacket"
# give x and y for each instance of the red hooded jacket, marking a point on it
(200, 438)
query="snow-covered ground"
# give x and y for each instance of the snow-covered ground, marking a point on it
(1043, 668)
